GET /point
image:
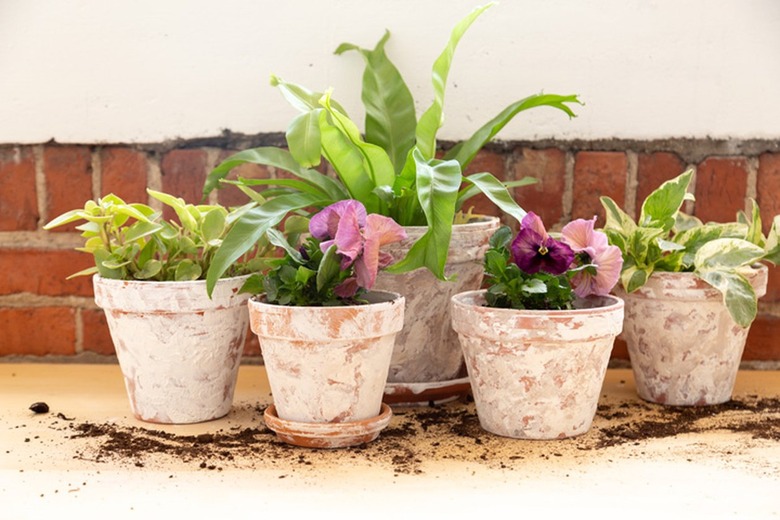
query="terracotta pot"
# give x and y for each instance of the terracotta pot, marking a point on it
(536, 374)
(684, 347)
(427, 349)
(328, 364)
(179, 351)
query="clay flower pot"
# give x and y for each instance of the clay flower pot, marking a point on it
(685, 348)
(427, 354)
(328, 364)
(536, 374)
(179, 351)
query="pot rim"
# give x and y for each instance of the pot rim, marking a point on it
(391, 296)
(121, 281)
(484, 221)
(616, 303)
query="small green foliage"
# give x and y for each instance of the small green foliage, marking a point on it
(510, 288)
(132, 242)
(665, 239)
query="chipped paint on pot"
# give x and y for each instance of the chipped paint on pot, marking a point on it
(328, 364)
(684, 347)
(427, 349)
(179, 351)
(536, 374)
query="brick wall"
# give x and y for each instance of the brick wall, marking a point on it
(43, 314)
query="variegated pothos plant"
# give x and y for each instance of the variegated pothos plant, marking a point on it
(665, 239)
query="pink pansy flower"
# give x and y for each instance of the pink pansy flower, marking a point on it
(581, 236)
(358, 238)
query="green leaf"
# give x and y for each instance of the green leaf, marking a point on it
(431, 120)
(684, 222)
(501, 238)
(277, 158)
(617, 219)
(303, 275)
(437, 190)
(661, 206)
(727, 253)
(773, 242)
(668, 246)
(694, 238)
(214, 223)
(251, 227)
(534, 286)
(66, 218)
(390, 114)
(141, 229)
(376, 162)
(253, 285)
(738, 295)
(634, 277)
(754, 233)
(329, 269)
(149, 270)
(101, 256)
(301, 98)
(496, 191)
(277, 238)
(465, 152)
(303, 138)
(84, 272)
(187, 270)
(179, 206)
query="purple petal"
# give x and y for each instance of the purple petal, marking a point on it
(558, 257)
(346, 289)
(349, 239)
(325, 223)
(525, 250)
(379, 231)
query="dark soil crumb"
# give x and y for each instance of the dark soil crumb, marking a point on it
(445, 432)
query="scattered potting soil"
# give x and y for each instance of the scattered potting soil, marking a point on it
(416, 435)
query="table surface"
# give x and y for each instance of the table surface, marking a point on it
(89, 457)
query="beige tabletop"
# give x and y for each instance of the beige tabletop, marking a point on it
(88, 458)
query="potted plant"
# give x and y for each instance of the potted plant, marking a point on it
(393, 170)
(691, 292)
(537, 341)
(326, 337)
(178, 349)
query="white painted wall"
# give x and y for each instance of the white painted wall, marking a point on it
(148, 70)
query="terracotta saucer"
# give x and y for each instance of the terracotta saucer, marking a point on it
(327, 435)
(438, 392)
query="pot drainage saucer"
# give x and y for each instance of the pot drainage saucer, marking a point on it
(327, 435)
(436, 392)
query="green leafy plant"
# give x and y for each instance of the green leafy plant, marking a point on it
(392, 169)
(534, 270)
(665, 239)
(132, 242)
(336, 265)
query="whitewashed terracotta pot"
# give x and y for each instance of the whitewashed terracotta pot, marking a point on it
(536, 374)
(427, 348)
(684, 347)
(328, 364)
(179, 351)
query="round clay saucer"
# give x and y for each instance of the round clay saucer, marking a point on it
(437, 392)
(327, 435)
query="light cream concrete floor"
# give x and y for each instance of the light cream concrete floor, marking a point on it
(714, 472)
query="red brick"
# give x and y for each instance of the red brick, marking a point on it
(773, 286)
(38, 331)
(485, 161)
(123, 173)
(18, 200)
(68, 173)
(252, 345)
(43, 272)
(762, 343)
(545, 198)
(96, 336)
(183, 175)
(231, 196)
(597, 174)
(768, 188)
(721, 186)
(620, 350)
(653, 169)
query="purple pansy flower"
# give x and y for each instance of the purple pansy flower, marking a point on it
(581, 236)
(533, 250)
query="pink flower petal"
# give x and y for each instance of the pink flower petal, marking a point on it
(379, 231)
(581, 236)
(534, 222)
(346, 289)
(349, 240)
(608, 262)
(325, 223)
